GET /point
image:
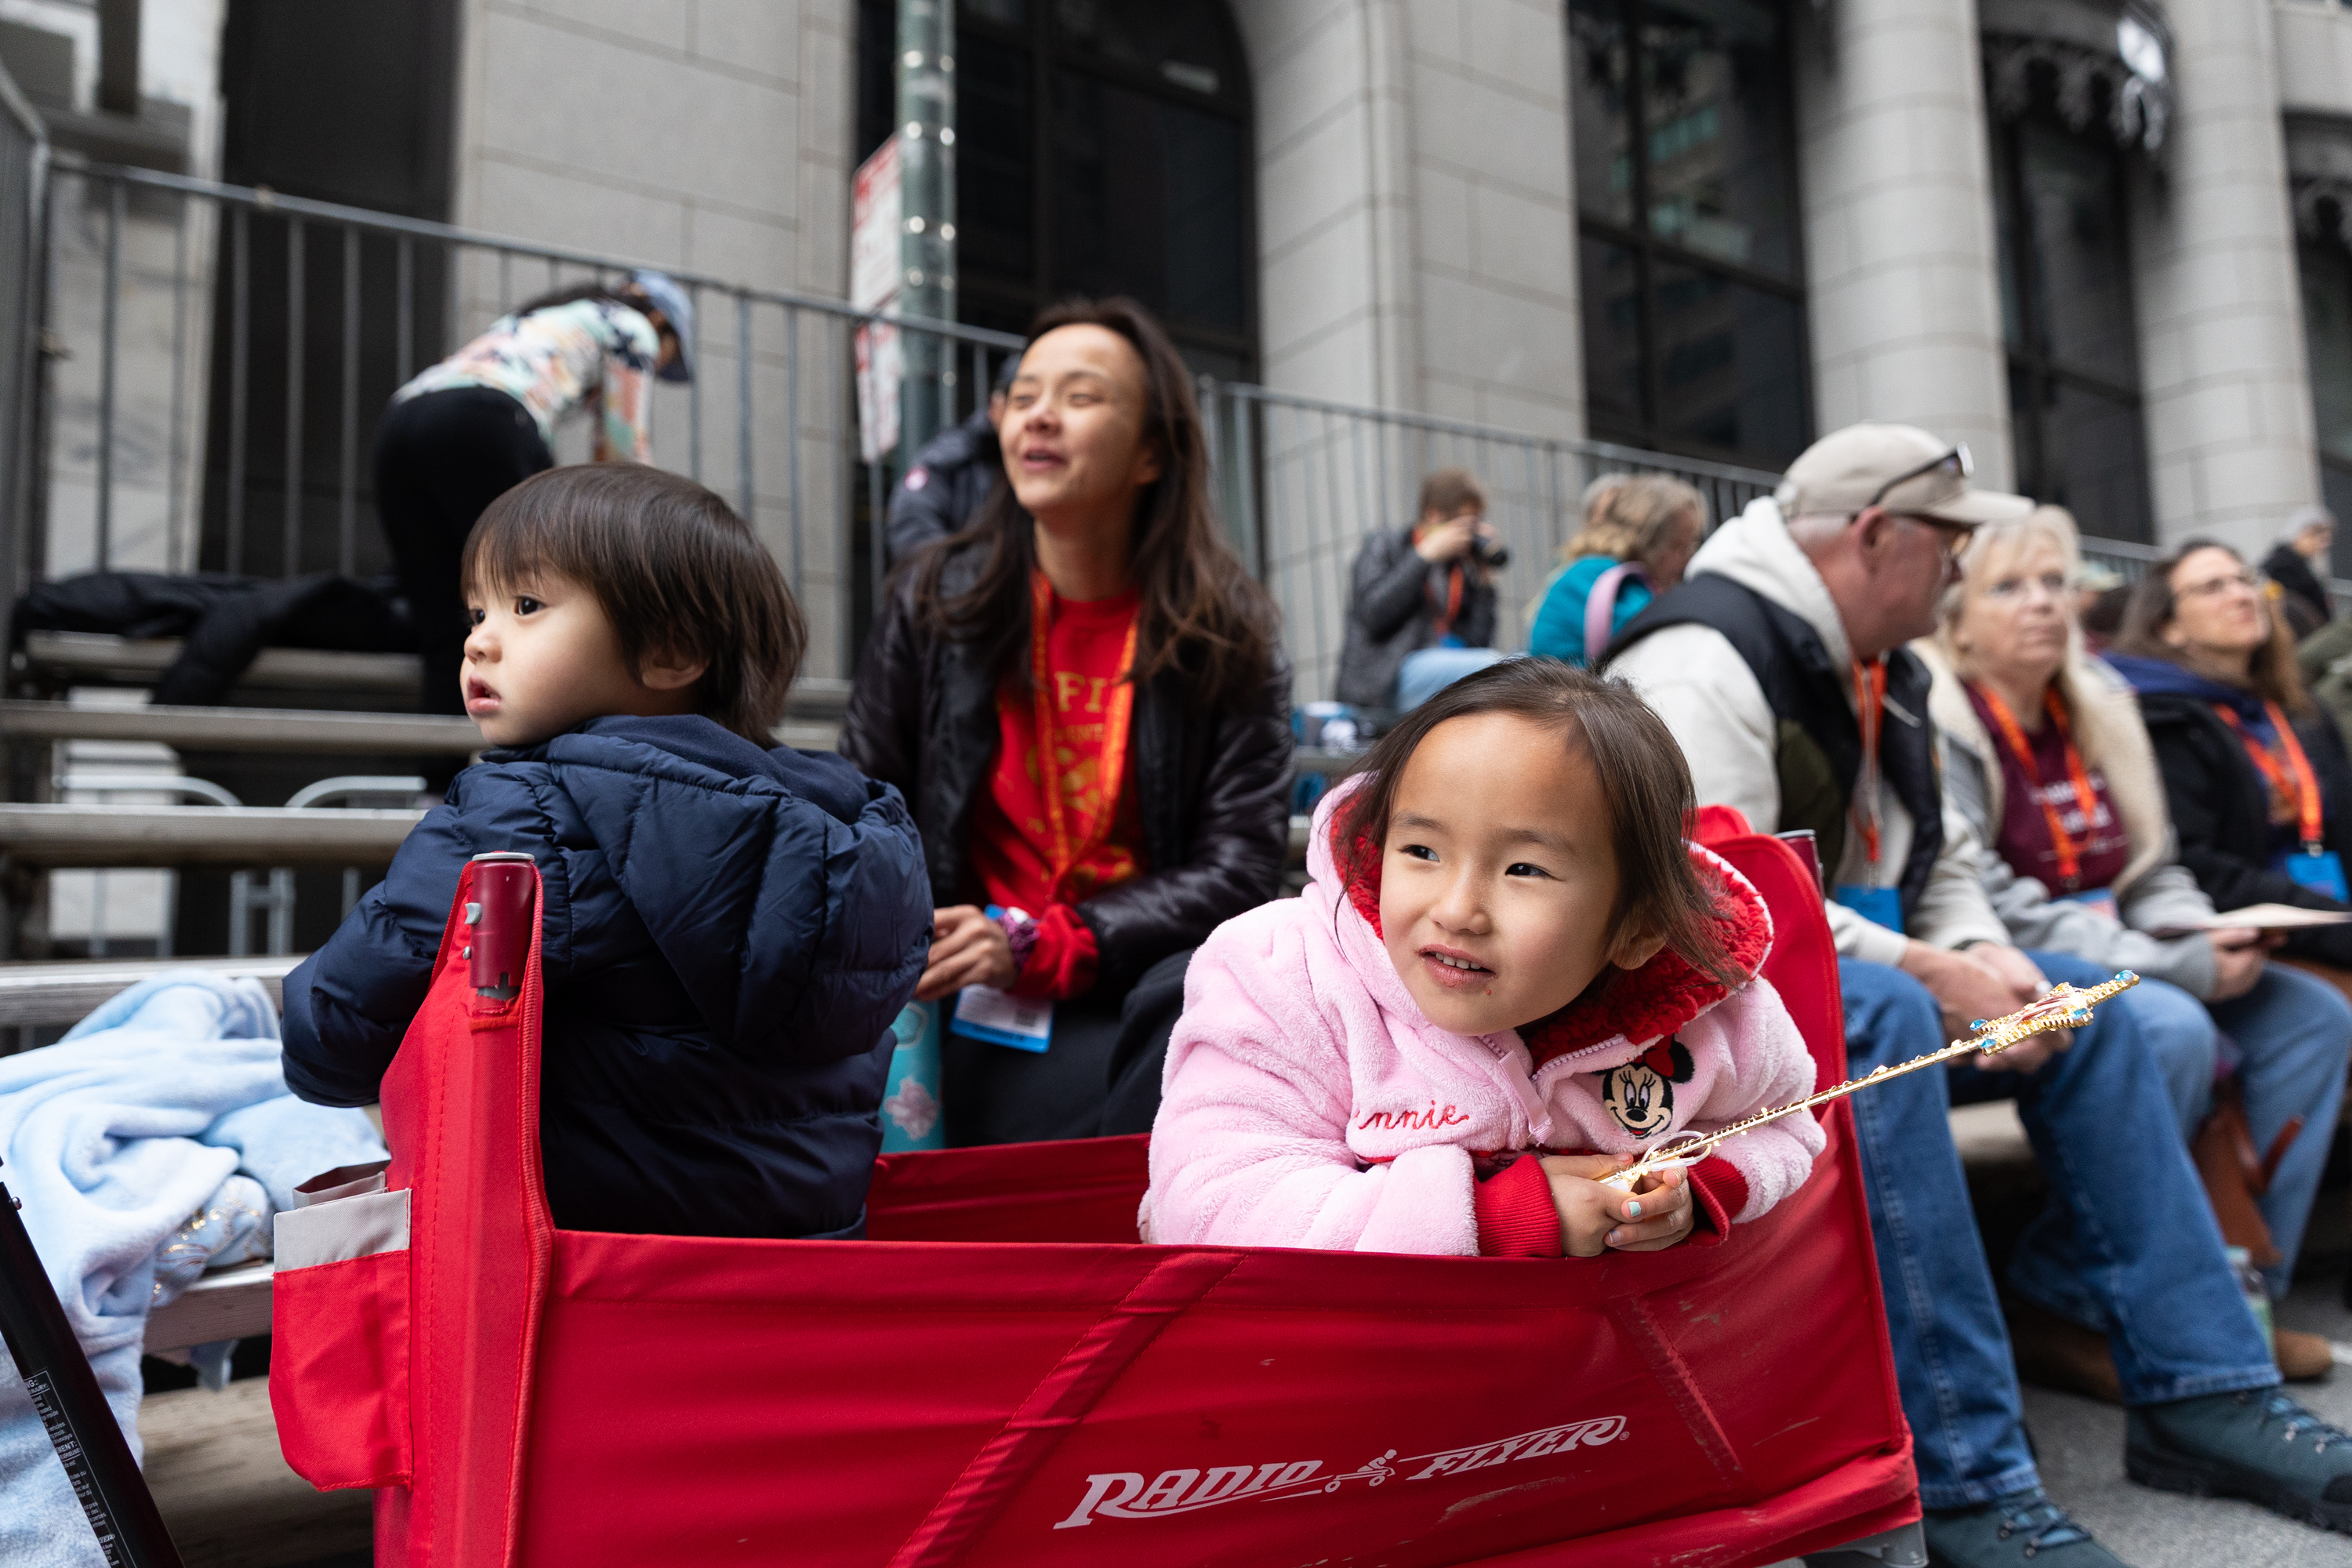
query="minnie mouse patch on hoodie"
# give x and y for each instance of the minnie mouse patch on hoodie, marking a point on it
(1640, 1094)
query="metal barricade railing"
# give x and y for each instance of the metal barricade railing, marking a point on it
(1303, 480)
(228, 351)
(23, 173)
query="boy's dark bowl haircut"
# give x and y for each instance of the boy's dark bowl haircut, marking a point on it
(1643, 778)
(674, 569)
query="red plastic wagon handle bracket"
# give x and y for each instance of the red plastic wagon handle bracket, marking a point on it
(498, 924)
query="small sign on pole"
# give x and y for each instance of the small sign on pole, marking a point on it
(877, 219)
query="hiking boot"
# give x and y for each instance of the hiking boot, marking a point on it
(2301, 1357)
(2258, 1445)
(2010, 1532)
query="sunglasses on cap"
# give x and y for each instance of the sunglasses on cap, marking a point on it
(1955, 462)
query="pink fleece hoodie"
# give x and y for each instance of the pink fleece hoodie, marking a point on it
(1308, 1101)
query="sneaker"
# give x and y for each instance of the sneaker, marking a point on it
(2258, 1445)
(2021, 1528)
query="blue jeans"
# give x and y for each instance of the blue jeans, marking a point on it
(2150, 1256)
(1429, 671)
(2294, 1038)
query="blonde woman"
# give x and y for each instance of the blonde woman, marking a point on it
(2047, 762)
(1639, 532)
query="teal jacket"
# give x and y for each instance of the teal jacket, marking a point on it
(1559, 623)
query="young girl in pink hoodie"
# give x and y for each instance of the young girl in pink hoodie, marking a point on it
(1509, 977)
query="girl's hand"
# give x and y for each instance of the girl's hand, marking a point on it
(967, 949)
(1594, 1218)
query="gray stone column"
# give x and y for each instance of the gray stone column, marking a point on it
(2220, 320)
(1894, 173)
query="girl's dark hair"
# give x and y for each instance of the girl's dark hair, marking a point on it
(1201, 613)
(1644, 782)
(673, 568)
(2274, 672)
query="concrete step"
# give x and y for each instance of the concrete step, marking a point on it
(226, 1493)
(51, 836)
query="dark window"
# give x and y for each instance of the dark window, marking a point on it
(1103, 148)
(2328, 329)
(2066, 311)
(1686, 178)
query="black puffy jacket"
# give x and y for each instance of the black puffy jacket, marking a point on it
(2221, 807)
(726, 937)
(1213, 782)
(1391, 614)
(944, 486)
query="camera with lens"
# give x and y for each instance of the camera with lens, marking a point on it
(1492, 553)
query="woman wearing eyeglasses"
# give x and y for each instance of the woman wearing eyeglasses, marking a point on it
(2046, 761)
(2256, 775)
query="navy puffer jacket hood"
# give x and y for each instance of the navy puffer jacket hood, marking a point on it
(728, 934)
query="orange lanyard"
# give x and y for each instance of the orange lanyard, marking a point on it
(2295, 781)
(2070, 854)
(1869, 710)
(1117, 719)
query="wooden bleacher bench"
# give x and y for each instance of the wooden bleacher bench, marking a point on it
(65, 992)
(50, 837)
(86, 658)
(245, 729)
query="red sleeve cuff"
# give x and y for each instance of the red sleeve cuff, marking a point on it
(1516, 1216)
(1062, 964)
(1720, 1191)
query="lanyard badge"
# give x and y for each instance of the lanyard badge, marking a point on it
(1878, 905)
(2288, 774)
(2069, 852)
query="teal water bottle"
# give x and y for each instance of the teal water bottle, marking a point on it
(910, 1102)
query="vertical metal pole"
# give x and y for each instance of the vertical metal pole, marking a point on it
(347, 525)
(792, 434)
(289, 555)
(744, 401)
(694, 392)
(239, 376)
(406, 288)
(110, 309)
(926, 116)
(506, 281)
(1245, 447)
(877, 531)
(173, 481)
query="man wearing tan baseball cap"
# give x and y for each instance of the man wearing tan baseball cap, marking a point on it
(1780, 665)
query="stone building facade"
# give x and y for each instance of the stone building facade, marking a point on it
(2107, 243)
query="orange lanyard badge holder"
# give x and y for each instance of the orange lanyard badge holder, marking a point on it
(2288, 774)
(2066, 848)
(1027, 1023)
(1877, 904)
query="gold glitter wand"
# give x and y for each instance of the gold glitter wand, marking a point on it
(2064, 1008)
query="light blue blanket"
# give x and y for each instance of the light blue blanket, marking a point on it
(141, 1146)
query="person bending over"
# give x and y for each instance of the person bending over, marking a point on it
(1506, 946)
(728, 929)
(1083, 696)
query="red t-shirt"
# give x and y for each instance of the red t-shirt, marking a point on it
(2023, 839)
(1012, 836)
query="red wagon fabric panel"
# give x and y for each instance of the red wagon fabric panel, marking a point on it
(1002, 1376)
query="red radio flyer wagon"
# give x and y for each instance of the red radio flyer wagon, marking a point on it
(1000, 1374)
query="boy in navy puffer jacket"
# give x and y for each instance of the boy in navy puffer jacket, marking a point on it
(726, 931)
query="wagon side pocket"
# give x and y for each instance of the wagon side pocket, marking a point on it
(339, 1352)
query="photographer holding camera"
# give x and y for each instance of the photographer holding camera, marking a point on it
(1421, 601)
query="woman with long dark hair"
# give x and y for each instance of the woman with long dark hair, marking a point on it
(470, 428)
(1083, 698)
